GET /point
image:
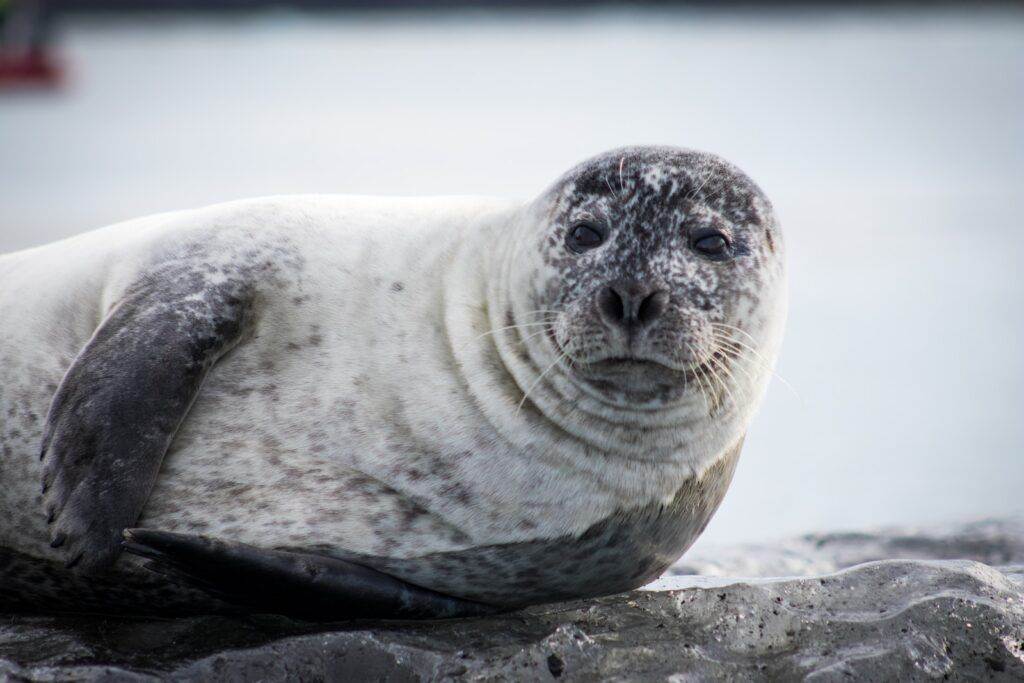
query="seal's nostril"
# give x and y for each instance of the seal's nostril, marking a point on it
(611, 305)
(651, 307)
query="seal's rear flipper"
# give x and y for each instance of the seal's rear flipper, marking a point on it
(291, 583)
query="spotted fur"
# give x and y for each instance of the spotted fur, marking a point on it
(381, 400)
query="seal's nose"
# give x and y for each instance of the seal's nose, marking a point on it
(630, 305)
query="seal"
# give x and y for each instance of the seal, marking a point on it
(339, 406)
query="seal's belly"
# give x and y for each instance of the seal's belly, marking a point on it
(274, 456)
(258, 486)
(280, 481)
(622, 552)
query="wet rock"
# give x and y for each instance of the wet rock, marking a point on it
(893, 619)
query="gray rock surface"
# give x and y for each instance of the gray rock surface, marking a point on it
(995, 542)
(907, 619)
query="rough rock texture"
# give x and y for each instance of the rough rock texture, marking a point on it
(889, 619)
(995, 542)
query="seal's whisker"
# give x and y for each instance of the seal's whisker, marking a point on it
(737, 329)
(726, 336)
(757, 357)
(534, 334)
(462, 347)
(700, 383)
(712, 398)
(749, 347)
(693, 193)
(537, 381)
(689, 351)
(733, 382)
(716, 383)
(718, 358)
(746, 362)
(730, 328)
(716, 363)
(543, 310)
(734, 354)
(508, 327)
(739, 351)
(726, 390)
(713, 379)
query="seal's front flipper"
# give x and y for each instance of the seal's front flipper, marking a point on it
(292, 583)
(121, 402)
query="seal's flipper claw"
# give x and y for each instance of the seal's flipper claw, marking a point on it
(295, 584)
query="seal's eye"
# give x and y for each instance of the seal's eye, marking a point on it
(713, 244)
(584, 236)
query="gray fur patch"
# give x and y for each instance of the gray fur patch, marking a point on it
(620, 553)
(651, 202)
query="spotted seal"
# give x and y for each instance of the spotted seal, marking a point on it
(344, 406)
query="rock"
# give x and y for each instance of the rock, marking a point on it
(891, 619)
(995, 542)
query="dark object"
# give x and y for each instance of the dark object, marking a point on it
(712, 244)
(555, 665)
(584, 237)
(303, 585)
(26, 28)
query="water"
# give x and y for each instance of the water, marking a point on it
(891, 143)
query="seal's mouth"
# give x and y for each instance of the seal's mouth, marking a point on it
(644, 368)
(653, 367)
(627, 361)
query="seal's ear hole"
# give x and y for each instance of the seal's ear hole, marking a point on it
(584, 236)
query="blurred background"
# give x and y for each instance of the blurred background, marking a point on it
(891, 139)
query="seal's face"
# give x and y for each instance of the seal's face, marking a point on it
(656, 271)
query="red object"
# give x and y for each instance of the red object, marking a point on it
(29, 68)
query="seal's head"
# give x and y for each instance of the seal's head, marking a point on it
(656, 274)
